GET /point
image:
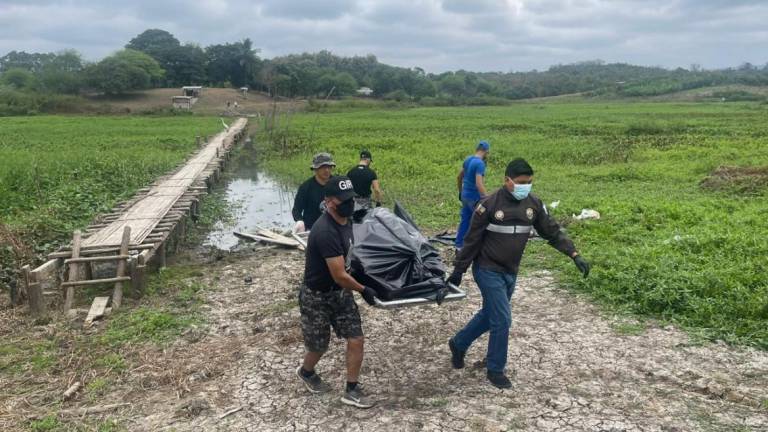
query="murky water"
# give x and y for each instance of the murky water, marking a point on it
(258, 200)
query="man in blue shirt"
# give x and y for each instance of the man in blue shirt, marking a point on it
(471, 187)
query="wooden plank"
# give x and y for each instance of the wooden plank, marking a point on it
(47, 269)
(301, 241)
(117, 294)
(71, 390)
(34, 292)
(271, 234)
(268, 233)
(95, 281)
(73, 273)
(97, 309)
(288, 242)
(65, 253)
(80, 412)
(97, 258)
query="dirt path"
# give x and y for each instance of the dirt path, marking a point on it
(573, 369)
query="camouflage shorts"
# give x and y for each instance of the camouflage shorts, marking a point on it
(322, 310)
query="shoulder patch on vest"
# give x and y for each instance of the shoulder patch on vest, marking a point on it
(480, 209)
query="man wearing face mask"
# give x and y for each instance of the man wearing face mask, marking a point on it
(325, 297)
(494, 245)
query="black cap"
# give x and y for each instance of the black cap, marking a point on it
(365, 154)
(518, 167)
(340, 187)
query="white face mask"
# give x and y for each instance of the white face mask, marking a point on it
(521, 191)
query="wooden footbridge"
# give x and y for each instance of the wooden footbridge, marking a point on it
(136, 234)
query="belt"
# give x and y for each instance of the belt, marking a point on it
(330, 289)
(510, 229)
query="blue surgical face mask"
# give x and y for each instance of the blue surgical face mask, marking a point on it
(521, 191)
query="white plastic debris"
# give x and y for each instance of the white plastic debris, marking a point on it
(587, 214)
(553, 205)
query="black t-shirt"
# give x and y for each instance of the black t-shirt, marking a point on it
(362, 177)
(327, 239)
(306, 205)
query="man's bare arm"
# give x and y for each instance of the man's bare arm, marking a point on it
(340, 275)
(480, 185)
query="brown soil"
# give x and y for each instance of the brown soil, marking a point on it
(212, 102)
(573, 368)
(745, 180)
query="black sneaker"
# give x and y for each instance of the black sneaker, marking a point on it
(357, 398)
(499, 380)
(457, 356)
(313, 383)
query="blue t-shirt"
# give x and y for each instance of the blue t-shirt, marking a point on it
(473, 166)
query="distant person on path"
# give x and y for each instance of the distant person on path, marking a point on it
(306, 205)
(325, 297)
(228, 104)
(494, 245)
(235, 104)
(364, 179)
(471, 187)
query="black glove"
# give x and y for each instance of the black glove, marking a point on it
(369, 295)
(455, 278)
(378, 203)
(582, 265)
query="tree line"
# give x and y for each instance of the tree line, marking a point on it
(156, 58)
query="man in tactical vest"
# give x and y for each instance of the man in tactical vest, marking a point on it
(494, 245)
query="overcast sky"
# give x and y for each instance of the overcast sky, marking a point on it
(437, 35)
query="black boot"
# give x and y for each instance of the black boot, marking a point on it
(499, 380)
(457, 356)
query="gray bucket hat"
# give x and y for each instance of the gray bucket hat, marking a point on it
(322, 159)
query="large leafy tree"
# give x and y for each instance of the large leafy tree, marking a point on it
(154, 41)
(45, 72)
(343, 84)
(235, 63)
(17, 78)
(183, 64)
(62, 74)
(32, 62)
(125, 71)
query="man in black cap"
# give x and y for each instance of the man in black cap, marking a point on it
(364, 179)
(306, 205)
(325, 297)
(498, 233)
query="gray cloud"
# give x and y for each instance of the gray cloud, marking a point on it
(308, 9)
(438, 35)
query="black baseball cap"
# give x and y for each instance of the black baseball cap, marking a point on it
(340, 187)
(365, 154)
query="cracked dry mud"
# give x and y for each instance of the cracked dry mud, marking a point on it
(571, 369)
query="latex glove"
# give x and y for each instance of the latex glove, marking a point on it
(455, 278)
(369, 295)
(299, 227)
(582, 265)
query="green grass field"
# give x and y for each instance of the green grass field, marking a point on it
(673, 242)
(57, 172)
